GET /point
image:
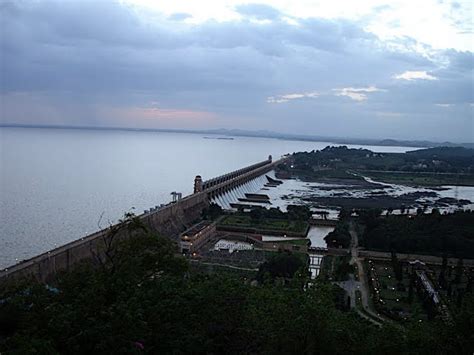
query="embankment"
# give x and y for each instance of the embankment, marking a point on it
(169, 221)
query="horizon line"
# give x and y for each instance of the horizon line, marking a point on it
(255, 133)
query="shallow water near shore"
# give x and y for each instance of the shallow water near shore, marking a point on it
(324, 196)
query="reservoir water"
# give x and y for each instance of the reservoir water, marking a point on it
(57, 185)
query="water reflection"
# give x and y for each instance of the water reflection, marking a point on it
(317, 233)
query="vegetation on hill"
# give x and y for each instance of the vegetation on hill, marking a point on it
(444, 164)
(146, 301)
(212, 212)
(281, 265)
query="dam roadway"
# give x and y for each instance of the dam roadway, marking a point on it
(169, 220)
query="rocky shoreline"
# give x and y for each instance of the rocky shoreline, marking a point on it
(355, 193)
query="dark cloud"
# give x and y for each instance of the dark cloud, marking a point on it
(461, 61)
(77, 61)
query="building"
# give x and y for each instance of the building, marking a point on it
(195, 237)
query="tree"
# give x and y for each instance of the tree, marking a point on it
(151, 302)
(470, 280)
(397, 267)
(256, 214)
(442, 274)
(459, 270)
(297, 212)
(283, 265)
(339, 237)
(344, 213)
(212, 212)
(411, 286)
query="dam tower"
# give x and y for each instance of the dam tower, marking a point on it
(198, 184)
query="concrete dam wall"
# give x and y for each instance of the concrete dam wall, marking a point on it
(169, 221)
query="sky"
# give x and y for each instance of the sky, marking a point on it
(400, 69)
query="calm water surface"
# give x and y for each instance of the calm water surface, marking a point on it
(57, 185)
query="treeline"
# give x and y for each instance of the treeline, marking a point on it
(339, 237)
(439, 160)
(434, 233)
(293, 212)
(145, 300)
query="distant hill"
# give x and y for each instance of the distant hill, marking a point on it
(431, 166)
(268, 134)
(443, 153)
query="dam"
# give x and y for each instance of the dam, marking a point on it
(169, 220)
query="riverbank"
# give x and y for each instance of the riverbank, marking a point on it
(420, 179)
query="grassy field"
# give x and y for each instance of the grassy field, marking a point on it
(329, 174)
(421, 179)
(243, 221)
(403, 178)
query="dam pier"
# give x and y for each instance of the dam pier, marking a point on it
(170, 220)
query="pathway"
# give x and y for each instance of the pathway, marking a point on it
(362, 284)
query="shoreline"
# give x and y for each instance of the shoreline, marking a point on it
(413, 144)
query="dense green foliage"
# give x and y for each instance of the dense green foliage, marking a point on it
(145, 301)
(339, 237)
(212, 212)
(443, 159)
(245, 222)
(298, 212)
(281, 265)
(425, 166)
(295, 220)
(433, 233)
(293, 212)
(336, 268)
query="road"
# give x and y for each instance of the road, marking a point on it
(362, 284)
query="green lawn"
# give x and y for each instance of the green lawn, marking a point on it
(243, 221)
(422, 179)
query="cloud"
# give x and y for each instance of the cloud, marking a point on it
(179, 16)
(444, 105)
(415, 75)
(357, 94)
(258, 11)
(287, 97)
(158, 117)
(67, 63)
